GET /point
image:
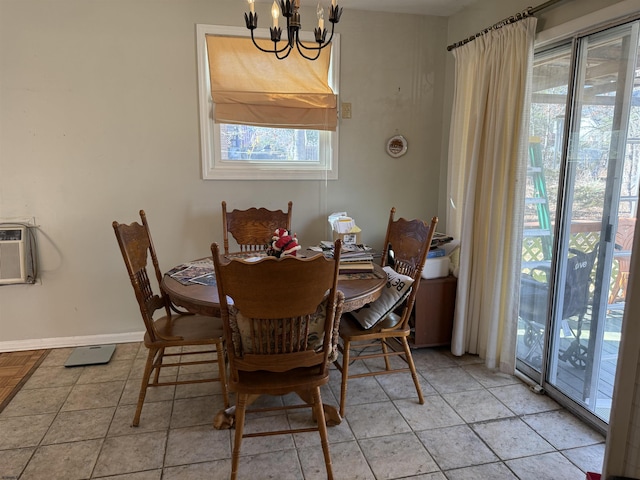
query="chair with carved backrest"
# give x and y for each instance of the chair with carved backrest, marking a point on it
(171, 339)
(252, 229)
(281, 329)
(384, 324)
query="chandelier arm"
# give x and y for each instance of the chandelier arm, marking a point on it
(317, 49)
(330, 36)
(275, 48)
(285, 55)
(321, 44)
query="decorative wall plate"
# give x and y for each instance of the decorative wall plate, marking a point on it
(397, 146)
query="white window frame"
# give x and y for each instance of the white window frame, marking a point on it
(213, 167)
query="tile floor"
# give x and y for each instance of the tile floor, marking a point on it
(74, 423)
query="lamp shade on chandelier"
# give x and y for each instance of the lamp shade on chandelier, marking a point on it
(289, 10)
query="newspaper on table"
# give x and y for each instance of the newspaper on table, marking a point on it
(196, 272)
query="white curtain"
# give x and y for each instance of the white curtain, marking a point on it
(487, 167)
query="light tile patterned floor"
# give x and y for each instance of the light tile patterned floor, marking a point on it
(475, 424)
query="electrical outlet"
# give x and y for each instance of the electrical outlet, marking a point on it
(346, 110)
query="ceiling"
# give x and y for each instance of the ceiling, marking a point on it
(442, 8)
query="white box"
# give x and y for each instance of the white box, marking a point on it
(348, 238)
(436, 267)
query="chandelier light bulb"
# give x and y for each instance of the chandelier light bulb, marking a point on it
(275, 13)
(320, 14)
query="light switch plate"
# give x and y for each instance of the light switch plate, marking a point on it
(346, 110)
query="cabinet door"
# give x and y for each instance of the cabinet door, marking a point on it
(433, 311)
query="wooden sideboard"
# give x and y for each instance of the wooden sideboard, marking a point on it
(432, 320)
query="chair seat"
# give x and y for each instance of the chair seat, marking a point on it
(275, 383)
(188, 330)
(352, 330)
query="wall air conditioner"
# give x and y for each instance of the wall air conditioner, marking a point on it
(13, 267)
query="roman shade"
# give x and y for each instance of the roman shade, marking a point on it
(251, 87)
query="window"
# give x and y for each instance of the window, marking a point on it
(236, 151)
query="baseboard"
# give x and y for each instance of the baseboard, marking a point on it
(61, 342)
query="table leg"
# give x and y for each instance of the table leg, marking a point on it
(226, 418)
(331, 415)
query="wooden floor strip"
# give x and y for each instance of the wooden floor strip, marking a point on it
(15, 370)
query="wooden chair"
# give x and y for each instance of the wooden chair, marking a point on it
(167, 337)
(624, 244)
(281, 331)
(253, 228)
(406, 245)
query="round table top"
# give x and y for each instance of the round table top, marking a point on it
(204, 299)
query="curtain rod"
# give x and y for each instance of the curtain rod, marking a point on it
(514, 18)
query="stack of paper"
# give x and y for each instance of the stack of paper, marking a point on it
(354, 259)
(356, 265)
(341, 223)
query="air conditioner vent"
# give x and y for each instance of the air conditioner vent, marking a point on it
(13, 268)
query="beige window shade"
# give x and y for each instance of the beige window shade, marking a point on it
(255, 88)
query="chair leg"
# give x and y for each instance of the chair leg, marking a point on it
(322, 428)
(144, 384)
(241, 405)
(623, 286)
(385, 351)
(222, 371)
(615, 290)
(412, 367)
(345, 376)
(158, 362)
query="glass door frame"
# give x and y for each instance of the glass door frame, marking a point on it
(562, 230)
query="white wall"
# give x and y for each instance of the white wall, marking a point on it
(99, 118)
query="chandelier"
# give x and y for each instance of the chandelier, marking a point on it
(289, 9)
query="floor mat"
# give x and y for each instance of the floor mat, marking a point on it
(15, 370)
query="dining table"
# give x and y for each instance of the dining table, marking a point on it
(202, 298)
(191, 286)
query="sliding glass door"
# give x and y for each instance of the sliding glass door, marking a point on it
(580, 215)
